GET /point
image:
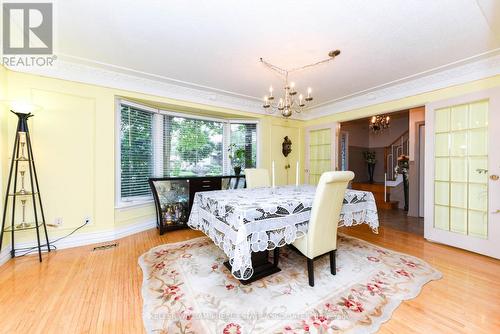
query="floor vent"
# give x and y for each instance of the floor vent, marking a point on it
(104, 247)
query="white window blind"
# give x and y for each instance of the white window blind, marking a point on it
(244, 135)
(136, 146)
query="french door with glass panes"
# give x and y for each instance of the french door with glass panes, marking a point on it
(321, 151)
(462, 207)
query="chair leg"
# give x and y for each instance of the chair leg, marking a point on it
(276, 256)
(333, 265)
(310, 271)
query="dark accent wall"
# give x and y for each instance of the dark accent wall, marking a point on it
(362, 139)
(358, 166)
(357, 163)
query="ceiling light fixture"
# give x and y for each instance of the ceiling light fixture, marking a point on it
(379, 123)
(289, 102)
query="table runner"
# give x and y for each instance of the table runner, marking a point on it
(242, 221)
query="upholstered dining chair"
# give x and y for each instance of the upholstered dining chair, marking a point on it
(321, 237)
(257, 177)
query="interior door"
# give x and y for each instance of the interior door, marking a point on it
(462, 204)
(321, 151)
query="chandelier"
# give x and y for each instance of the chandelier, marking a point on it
(379, 123)
(291, 101)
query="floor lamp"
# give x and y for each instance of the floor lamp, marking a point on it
(21, 167)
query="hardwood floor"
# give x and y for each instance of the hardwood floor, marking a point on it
(83, 291)
(399, 220)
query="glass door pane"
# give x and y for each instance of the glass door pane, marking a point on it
(461, 160)
(320, 151)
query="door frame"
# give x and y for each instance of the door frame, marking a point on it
(489, 246)
(334, 132)
(421, 168)
(339, 153)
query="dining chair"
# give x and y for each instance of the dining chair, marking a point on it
(257, 177)
(321, 237)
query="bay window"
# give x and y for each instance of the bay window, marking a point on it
(158, 143)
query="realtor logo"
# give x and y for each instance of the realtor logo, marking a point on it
(27, 28)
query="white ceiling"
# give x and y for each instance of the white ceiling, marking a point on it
(217, 44)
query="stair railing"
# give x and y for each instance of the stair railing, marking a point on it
(397, 148)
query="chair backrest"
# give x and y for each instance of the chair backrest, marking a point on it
(257, 177)
(325, 214)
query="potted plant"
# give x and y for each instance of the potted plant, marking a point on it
(237, 156)
(370, 159)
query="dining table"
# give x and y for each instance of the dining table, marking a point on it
(249, 223)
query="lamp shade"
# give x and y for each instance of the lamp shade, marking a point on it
(21, 106)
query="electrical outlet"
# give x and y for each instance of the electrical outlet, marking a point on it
(87, 220)
(58, 221)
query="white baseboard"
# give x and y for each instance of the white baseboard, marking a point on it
(5, 254)
(82, 239)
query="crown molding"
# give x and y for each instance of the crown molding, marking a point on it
(101, 74)
(461, 72)
(88, 72)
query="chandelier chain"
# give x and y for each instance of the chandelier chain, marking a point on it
(284, 71)
(289, 103)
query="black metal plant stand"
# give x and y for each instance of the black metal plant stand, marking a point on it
(18, 166)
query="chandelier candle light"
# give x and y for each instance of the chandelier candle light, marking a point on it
(289, 102)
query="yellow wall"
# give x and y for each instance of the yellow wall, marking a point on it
(3, 138)
(74, 148)
(409, 102)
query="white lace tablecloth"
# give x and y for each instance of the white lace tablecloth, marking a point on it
(242, 221)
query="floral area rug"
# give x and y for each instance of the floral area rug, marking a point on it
(187, 289)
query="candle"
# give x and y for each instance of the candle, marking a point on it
(271, 91)
(297, 175)
(300, 99)
(273, 177)
(309, 90)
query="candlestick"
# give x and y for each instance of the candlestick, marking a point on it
(22, 137)
(21, 156)
(297, 175)
(22, 191)
(273, 176)
(23, 224)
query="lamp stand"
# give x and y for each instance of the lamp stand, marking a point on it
(18, 165)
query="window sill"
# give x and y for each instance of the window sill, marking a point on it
(133, 204)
